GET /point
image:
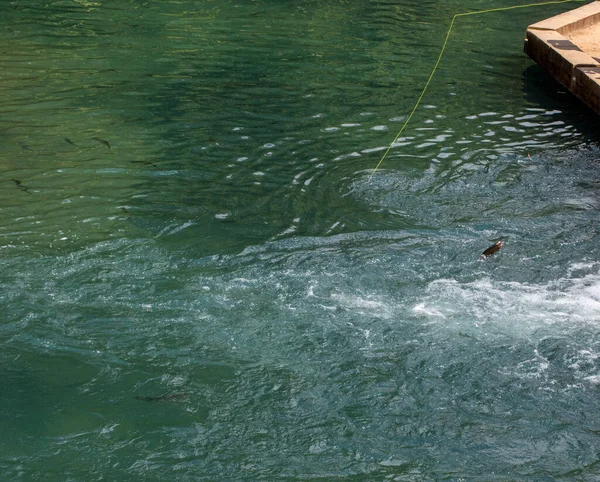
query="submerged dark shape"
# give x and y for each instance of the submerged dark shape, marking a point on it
(492, 249)
(69, 141)
(169, 397)
(20, 186)
(147, 163)
(101, 141)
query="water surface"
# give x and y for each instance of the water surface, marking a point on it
(201, 280)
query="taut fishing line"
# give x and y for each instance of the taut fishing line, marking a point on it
(464, 14)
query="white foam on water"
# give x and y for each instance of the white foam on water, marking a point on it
(174, 228)
(363, 305)
(513, 306)
(421, 308)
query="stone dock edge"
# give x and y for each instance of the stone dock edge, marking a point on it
(548, 43)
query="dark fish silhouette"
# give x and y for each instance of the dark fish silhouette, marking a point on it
(69, 141)
(492, 249)
(20, 186)
(169, 397)
(147, 163)
(101, 141)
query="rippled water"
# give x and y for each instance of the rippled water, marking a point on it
(200, 280)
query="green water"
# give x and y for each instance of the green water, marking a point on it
(200, 281)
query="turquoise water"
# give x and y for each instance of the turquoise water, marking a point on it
(200, 281)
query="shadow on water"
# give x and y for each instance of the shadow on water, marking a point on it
(542, 90)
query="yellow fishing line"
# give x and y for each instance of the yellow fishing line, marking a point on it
(464, 14)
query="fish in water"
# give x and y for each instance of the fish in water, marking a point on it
(492, 249)
(20, 186)
(101, 141)
(147, 163)
(169, 397)
(69, 141)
